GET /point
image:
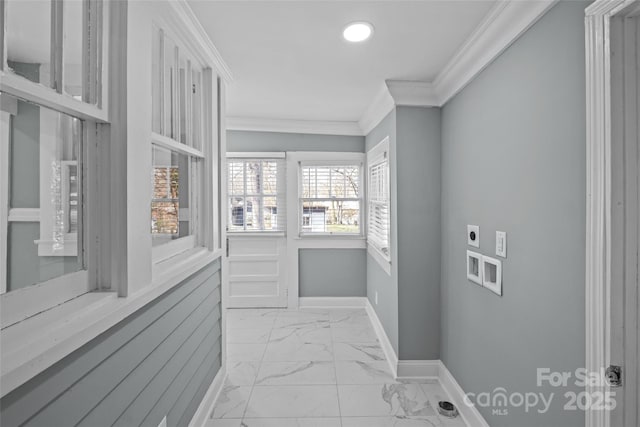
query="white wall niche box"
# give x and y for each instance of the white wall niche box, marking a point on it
(501, 244)
(492, 274)
(474, 267)
(473, 236)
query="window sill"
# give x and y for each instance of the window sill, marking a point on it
(35, 344)
(256, 234)
(381, 259)
(330, 242)
(331, 236)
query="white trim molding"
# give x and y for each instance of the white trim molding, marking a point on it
(503, 25)
(199, 36)
(418, 369)
(318, 127)
(600, 187)
(333, 302)
(387, 348)
(380, 106)
(469, 413)
(199, 419)
(412, 93)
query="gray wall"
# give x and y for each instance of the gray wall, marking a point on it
(275, 141)
(378, 280)
(513, 160)
(418, 214)
(159, 361)
(333, 273)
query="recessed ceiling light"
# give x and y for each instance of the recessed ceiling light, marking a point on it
(357, 32)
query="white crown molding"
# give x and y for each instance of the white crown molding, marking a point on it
(417, 94)
(294, 126)
(185, 14)
(504, 23)
(382, 105)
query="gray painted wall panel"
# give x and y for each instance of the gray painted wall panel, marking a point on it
(117, 371)
(333, 272)
(47, 385)
(169, 397)
(275, 141)
(377, 279)
(514, 160)
(200, 393)
(418, 183)
(183, 339)
(162, 385)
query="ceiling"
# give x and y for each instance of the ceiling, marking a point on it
(289, 60)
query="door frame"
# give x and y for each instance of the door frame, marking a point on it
(603, 120)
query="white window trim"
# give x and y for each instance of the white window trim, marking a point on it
(43, 343)
(4, 199)
(256, 155)
(45, 295)
(299, 159)
(201, 183)
(374, 155)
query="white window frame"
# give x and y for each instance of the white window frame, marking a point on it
(281, 196)
(376, 155)
(328, 159)
(199, 184)
(119, 255)
(25, 302)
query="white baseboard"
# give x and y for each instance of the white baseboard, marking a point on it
(418, 369)
(469, 414)
(206, 406)
(333, 302)
(389, 352)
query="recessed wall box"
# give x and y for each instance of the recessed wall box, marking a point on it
(492, 274)
(473, 236)
(474, 267)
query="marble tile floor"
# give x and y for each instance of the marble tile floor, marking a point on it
(316, 368)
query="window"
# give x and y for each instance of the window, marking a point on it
(174, 202)
(256, 194)
(178, 132)
(51, 75)
(330, 199)
(378, 205)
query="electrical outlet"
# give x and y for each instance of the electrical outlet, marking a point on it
(376, 295)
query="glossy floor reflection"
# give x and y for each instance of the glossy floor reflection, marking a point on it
(316, 368)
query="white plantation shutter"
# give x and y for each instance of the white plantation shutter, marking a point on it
(330, 198)
(256, 194)
(379, 199)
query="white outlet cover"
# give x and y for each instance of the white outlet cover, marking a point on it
(501, 244)
(474, 267)
(493, 282)
(476, 230)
